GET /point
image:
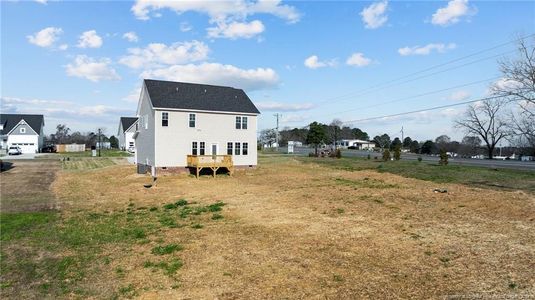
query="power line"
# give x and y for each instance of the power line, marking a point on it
(422, 110)
(415, 96)
(430, 68)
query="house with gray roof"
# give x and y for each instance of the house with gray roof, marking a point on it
(24, 131)
(186, 125)
(127, 129)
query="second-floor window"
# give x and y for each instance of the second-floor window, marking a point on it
(244, 123)
(238, 122)
(194, 148)
(201, 149)
(192, 120)
(165, 119)
(229, 148)
(236, 148)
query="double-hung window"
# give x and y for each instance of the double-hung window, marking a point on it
(165, 119)
(243, 122)
(238, 122)
(201, 149)
(245, 149)
(192, 120)
(194, 148)
(229, 148)
(236, 148)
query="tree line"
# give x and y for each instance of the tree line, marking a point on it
(64, 135)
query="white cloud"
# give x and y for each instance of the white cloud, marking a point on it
(313, 62)
(92, 69)
(219, 10)
(133, 96)
(46, 37)
(41, 1)
(374, 16)
(294, 118)
(358, 60)
(217, 74)
(185, 27)
(427, 49)
(63, 47)
(160, 54)
(452, 13)
(131, 36)
(89, 39)
(235, 30)
(459, 95)
(280, 106)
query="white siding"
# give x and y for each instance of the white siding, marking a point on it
(145, 139)
(173, 143)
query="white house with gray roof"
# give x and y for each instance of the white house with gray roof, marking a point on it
(177, 120)
(127, 129)
(24, 131)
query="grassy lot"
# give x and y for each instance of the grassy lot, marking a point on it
(292, 228)
(87, 163)
(502, 179)
(103, 153)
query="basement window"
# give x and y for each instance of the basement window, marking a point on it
(238, 122)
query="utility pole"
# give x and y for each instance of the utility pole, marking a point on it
(99, 143)
(277, 115)
(402, 137)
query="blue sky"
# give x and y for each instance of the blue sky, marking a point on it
(81, 63)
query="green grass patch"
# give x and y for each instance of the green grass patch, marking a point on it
(169, 267)
(500, 179)
(167, 249)
(18, 225)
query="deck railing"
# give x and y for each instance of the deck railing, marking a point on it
(213, 162)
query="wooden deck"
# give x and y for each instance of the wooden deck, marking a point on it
(213, 162)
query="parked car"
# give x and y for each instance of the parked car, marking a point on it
(49, 149)
(14, 150)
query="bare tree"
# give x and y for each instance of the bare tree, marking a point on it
(485, 119)
(518, 85)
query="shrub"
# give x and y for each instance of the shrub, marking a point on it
(338, 153)
(369, 156)
(397, 153)
(386, 155)
(443, 158)
(419, 158)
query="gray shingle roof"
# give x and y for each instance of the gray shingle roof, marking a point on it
(126, 122)
(11, 120)
(181, 95)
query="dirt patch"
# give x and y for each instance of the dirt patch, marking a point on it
(25, 186)
(295, 230)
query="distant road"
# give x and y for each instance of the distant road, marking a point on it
(504, 164)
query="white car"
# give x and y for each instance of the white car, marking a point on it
(14, 150)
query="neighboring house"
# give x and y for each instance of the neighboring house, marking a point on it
(24, 131)
(176, 120)
(359, 144)
(127, 128)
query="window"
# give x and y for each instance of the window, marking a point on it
(244, 123)
(192, 120)
(238, 122)
(245, 149)
(23, 130)
(131, 144)
(194, 148)
(236, 148)
(202, 149)
(165, 119)
(229, 148)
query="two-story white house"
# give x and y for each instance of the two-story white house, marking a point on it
(177, 120)
(24, 131)
(127, 129)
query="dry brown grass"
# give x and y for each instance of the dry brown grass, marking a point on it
(294, 230)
